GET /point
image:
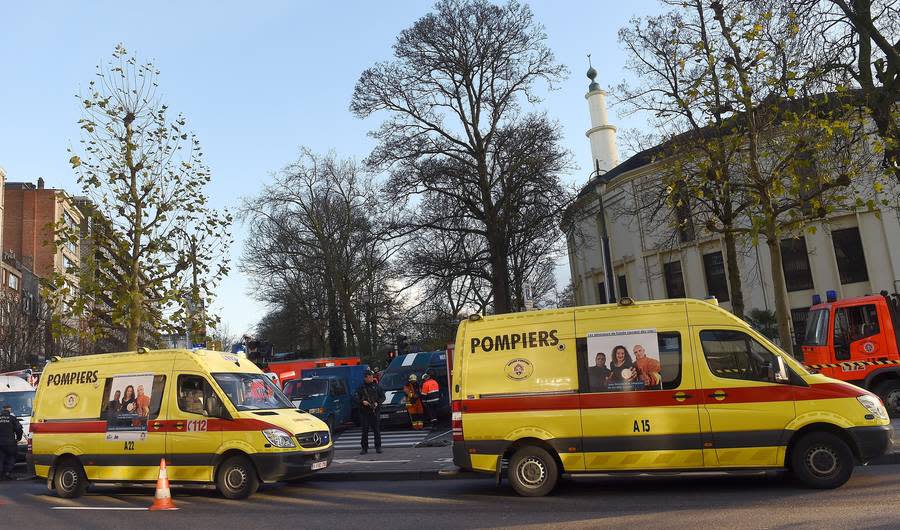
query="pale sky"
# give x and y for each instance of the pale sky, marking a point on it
(255, 81)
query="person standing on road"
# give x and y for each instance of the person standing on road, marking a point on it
(370, 396)
(430, 397)
(10, 434)
(414, 402)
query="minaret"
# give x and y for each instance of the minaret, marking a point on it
(601, 134)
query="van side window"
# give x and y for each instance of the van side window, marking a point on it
(855, 323)
(196, 396)
(640, 369)
(124, 402)
(732, 354)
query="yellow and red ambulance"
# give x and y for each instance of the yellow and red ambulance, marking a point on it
(660, 386)
(214, 417)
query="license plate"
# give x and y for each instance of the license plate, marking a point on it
(385, 416)
(319, 465)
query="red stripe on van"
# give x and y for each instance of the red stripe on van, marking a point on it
(756, 394)
(89, 427)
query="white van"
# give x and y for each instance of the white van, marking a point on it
(17, 393)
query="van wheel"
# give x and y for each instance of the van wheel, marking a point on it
(821, 460)
(69, 479)
(236, 478)
(532, 472)
(889, 392)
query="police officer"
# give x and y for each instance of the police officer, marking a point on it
(369, 397)
(10, 434)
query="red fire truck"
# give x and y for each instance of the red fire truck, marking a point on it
(857, 340)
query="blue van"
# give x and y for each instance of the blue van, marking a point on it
(328, 392)
(393, 411)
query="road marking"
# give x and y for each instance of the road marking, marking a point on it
(382, 496)
(96, 508)
(284, 499)
(354, 461)
(444, 460)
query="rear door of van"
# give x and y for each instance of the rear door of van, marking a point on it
(519, 379)
(639, 398)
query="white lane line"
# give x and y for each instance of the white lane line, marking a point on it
(97, 508)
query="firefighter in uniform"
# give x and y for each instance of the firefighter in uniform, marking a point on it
(430, 397)
(414, 402)
(10, 434)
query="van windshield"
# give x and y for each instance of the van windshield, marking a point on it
(311, 388)
(816, 328)
(394, 380)
(252, 391)
(21, 402)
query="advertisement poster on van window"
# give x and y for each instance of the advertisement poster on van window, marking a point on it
(622, 361)
(126, 407)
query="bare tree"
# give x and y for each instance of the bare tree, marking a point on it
(454, 93)
(318, 236)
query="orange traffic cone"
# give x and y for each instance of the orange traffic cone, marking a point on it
(163, 500)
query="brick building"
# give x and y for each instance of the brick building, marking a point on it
(29, 214)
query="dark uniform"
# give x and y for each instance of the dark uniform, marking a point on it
(10, 434)
(368, 415)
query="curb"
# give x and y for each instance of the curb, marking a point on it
(424, 474)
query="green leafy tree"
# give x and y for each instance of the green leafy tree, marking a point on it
(163, 247)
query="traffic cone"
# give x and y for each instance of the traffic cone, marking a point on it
(163, 500)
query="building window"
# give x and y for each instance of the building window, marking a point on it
(848, 251)
(683, 215)
(602, 288)
(799, 316)
(623, 286)
(12, 281)
(795, 263)
(716, 279)
(67, 263)
(674, 279)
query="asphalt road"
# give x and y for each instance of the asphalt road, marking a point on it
(870, 500)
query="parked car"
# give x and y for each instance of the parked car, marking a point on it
(328, 392)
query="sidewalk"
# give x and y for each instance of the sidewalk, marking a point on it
(426, 463)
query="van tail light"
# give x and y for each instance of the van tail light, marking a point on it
(456, 422)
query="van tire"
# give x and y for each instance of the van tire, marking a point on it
(236, 478)
(69, 479)
(532, 472)
(889, 393)
(822, 460)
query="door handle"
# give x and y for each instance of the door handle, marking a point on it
(156, 425)
(718, 395)
(179, 426)
(682, 396)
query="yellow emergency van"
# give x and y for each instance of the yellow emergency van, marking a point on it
(214, 417)
(662, 386)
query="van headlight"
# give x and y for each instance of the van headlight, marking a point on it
(874, 406)
(279, 438)
(318, 410)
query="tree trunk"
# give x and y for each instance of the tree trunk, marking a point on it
(335, 329)
(782, 308)
(499, 269)
(735, 282)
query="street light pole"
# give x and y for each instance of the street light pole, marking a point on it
(610, 283)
